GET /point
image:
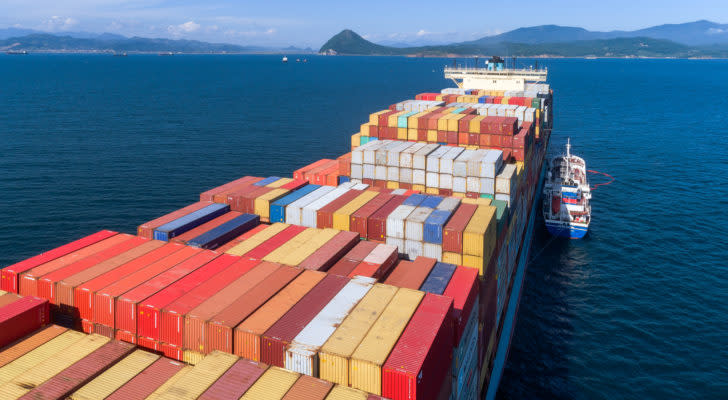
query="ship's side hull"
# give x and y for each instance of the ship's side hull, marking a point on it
(566, 230)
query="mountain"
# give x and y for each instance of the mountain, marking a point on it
(349, 42)
(691, 33)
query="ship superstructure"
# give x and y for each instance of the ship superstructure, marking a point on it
(567, 196)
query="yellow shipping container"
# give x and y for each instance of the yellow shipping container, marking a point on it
(262, 203)
(199, 378)
(479, 235)
(412, 134)
(419, 188)
(297, 256)
(452, 258)
(36, 356)
(505, 99)
(393, 119)
(50, 367)
(365, 367)
(355, 140)
(364, 129)
(453, 122)
(171, 381)
(342, 216)
(439, 97)
(334, 354)
(290, 246)
(192, 357)
(257, 239)
(279, 183)
(115, 377)
(272, 385)
(413, 120)
(431, 190)
(374, 118)
(401, 133)
(442, 122)
(458, 195)
(346, 393)
(392, 185)
(474, 262)
(431, 136)
(480, 201)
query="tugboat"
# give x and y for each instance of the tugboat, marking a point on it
(567, 196)
(285, 59)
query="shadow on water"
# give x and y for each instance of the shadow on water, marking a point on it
(538, 359)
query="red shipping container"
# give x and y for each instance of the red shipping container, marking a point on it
(275, 242)
(147, 381)
(443, 135)
(87, 326)
(149, 321)
(125, 336)
(171, 351)
(323, 258)
(325, 215)
(462, 138)
(294, 184)
(373, 131)
(127, 304)
(345, 164)
(275, 339)
(445, 192)
(452, 233)
(104, 330)
(360, 251)
(28, 284)
(414, 369)
(411, 274)
(244, 201)
(510, 126)
(518, 154)
(310, 175)
(104, 310)
(484, 140)
(406, 186)
(380, 184)
(209, 195)
(473, 139)
(22, 317)
(64, 292)
(464, 123)
(219, 330)
(173, 315)
(358, 220)
(9, 274)
(463, 289)
(377, 222)
(83, 371)
(308, 388)
(378, 263)
(83, 293)
(507, 153)
(222, 197)
(235, 381)
(148, 343)
(147, 229)
(320, 178)
(507, 141)
(196, 319)
(344, 266)
(421, 135)
(299, 173)
(383, 118)
(207, 226)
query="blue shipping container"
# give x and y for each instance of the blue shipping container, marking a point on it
(438, 279)
(190, 221)
(431, 201)
(402, 119)
(434, 225)
(278, 208)
(414, 200)
(342, 179)
(226, 232)
(267, 181)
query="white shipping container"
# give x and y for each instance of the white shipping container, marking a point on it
(432, 179)
(356, 171)
(357, 155)
(395, 221)
(381, 154)
(380, 172)
(418, 177)
(473, 184)
(505, 197)
(370, 151)
(393, 174)
(460, 166)
(398, 243)
(448, 159)
(367, 171)
(487, 185)
(475, 162)
(448, 204)
(419, 160)
(445, 181)
(308, 213)
(414, 225)
(459, 184)
(505, 181)
(405, 175)
(293, 210)
(301, 355)
(433, 159)
(359, 186)
(491, 164)
(380, 254)
(432, 250)
(406, 156)
(413, 249)
(397, 192)
(393, 155)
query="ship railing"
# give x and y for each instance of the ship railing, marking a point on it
(537, 75)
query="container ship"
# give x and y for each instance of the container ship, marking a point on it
(394, 271)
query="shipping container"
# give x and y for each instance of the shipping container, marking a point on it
(272, 385)
(173, 315)
(276, 241)
(50, 367)
(297, 256)
(22, 317)
(171, 381)
(411, 274)
(415, 368)
(325, 215)
(294, 209)
(147, 229)
(128, 303)
(334, 355)
(258, 238)
(463, 289)
(116, 376)
(378, 263)
(343, 216)
(278, 208)
(220, 328)
(196, 319)
(358, 219)
(193, 233)
(146, 382)
(200, 377)
(208, 195)
(224, 196)
(351, 259)
(9, 298)
(438, 279)
(452, 235)
(346, 393)
(291, 246)
(302, 353)
(235, 381)
(377, 222)
(282, 332)
(149, 318)
(327, 255)
(225, 232)
(9, 274)
(310, 211)
(247, 340)
(308, 388)
(245, 236)
(29, 343)
(190, 221)
(365, 365)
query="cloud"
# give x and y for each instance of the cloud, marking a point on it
(250, 33)
(716, 31)
(182, 29)
(422, 32)
(56, 23)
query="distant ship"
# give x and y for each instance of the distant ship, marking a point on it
(166, 53)
(16, 52)
(567, 196)
(285, 59)
(120, 54)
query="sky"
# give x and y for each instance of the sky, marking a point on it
(309, 23)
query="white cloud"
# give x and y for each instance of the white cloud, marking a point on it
(717, 31)
(422, 32)
(182, 29)
(56, 23)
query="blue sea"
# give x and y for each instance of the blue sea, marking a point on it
(637, 310)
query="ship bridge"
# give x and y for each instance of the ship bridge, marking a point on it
(490, 79)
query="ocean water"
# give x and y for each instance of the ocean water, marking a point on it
(636, 310)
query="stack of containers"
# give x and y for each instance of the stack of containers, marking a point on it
(414, 226)
(395, 227)
(434, 225)
(378, 263)
(310, 211)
